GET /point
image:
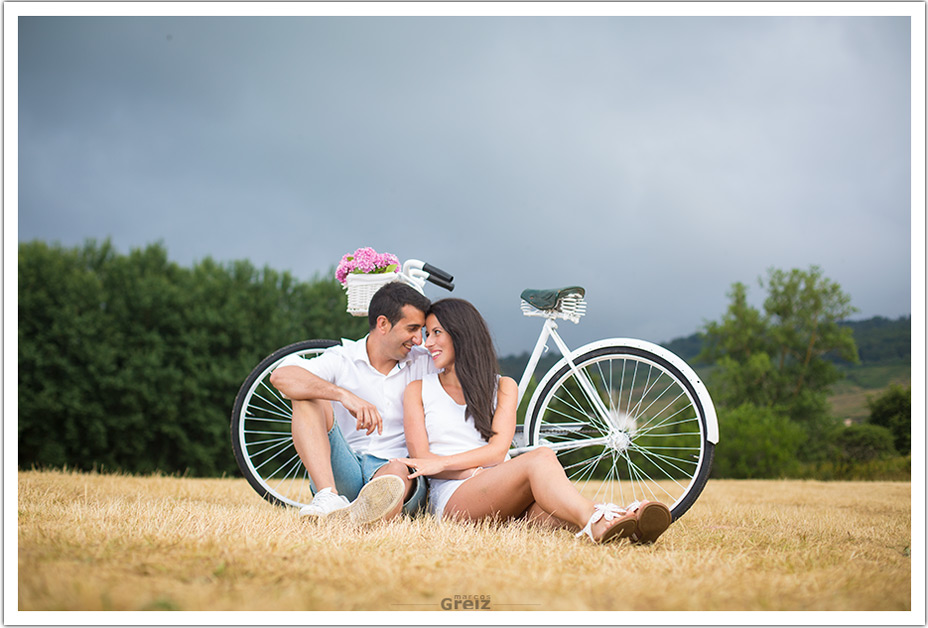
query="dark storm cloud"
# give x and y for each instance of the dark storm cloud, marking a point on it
(653, 160)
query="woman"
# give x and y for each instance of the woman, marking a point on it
(459, 425)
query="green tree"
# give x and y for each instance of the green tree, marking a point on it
(776, 357)
(132, 362)
(863, 442)
(757, 443)
(893, 410)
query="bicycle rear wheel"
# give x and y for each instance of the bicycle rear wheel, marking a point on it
(261, 436)
(657, 439)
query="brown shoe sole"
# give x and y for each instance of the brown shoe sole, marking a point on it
(653, 519)
(623, 527)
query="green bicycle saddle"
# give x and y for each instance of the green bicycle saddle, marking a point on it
(548, 299)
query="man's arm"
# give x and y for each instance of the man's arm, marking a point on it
(297, 383)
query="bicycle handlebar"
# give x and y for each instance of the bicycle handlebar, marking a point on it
(417, 273)
(441, 283)
(437, 272)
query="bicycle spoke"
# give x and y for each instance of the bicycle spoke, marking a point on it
(278, 405)
(606, 386)
(295, 465)
(648, 431)
(630, 389)
(672, 434)
(278, 433)
(591, 414)
(649, 452)
(644, 393)
(645, 454)
(586, 472)
(251, 418)
(280, 450)
(682, 393)
(277, 443)
(570, 445)
(656, 399)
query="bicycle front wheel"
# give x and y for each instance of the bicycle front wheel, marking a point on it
(261, 436)
(628, 424)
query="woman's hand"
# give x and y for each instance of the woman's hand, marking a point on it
(423, 466)
(435, 467)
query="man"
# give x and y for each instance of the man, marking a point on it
(348, 412)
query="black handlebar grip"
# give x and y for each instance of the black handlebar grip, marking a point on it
(441, 283)
(437, 272)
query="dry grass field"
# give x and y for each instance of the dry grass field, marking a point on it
(108, 542)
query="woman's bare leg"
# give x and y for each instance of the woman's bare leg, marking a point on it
(511, 488)
(536, 515)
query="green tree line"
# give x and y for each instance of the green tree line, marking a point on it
(131, 362)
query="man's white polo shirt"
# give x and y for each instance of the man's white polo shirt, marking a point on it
(348, 366)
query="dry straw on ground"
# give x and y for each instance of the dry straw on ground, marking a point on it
(107, 542)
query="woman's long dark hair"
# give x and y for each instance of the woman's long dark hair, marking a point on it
(474, 358)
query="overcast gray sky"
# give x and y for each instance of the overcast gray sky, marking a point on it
(653, 160)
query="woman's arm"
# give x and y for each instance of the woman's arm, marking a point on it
(494, 452)
(417, 438)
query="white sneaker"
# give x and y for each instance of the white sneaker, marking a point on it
(376, 499)
(324, 503)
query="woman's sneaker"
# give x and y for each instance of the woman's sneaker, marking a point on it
(324, 503)
(375, 501)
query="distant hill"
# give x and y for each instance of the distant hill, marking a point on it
(513, 365)
(687, 348)
(879, 341)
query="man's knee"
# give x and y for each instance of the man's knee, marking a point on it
(313, 410)
(394, 467)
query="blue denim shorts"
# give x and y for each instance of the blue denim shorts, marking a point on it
(352, 471)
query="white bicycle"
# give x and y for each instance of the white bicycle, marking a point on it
(629, 420)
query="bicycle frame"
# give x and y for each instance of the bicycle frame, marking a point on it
(549, 330)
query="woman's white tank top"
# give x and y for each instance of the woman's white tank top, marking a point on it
(451, 430)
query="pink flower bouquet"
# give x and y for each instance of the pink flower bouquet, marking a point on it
(366, 261)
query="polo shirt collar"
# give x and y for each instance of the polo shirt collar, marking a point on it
(357, 349)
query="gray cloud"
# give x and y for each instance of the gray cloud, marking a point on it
(653, 160)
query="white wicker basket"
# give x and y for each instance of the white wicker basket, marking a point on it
(361, 289)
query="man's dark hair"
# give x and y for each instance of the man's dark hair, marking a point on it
(390, 300)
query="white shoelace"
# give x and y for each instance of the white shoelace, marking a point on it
(327, 500)
(609, 512)
(600, 511)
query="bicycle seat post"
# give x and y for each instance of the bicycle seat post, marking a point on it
(540, 345)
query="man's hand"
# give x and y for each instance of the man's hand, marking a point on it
(366, 413)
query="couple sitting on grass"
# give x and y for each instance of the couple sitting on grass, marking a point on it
(359, 406)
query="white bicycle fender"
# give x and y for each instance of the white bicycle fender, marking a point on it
(712, 423)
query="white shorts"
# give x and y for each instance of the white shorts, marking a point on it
(440, 491)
